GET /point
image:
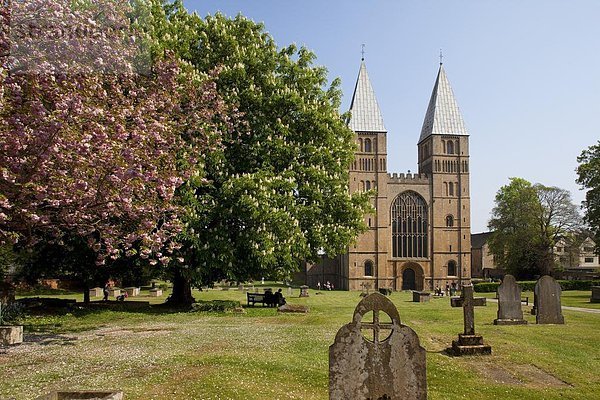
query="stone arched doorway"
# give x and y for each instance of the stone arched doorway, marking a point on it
(411, 277)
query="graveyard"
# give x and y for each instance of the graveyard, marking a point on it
(159, 353)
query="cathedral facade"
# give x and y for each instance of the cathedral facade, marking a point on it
(419, 235)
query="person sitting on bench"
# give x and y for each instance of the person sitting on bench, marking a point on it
(279, 299)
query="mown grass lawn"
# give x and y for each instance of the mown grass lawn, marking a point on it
(262, 354)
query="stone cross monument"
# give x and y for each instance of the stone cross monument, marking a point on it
(468, 342)
(509, 303)
(376, 360)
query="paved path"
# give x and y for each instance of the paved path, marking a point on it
(582, 309)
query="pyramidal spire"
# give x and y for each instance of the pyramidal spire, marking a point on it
(443, 115)
(365, 113)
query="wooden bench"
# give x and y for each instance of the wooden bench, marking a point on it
(523, 299)
(255, 298)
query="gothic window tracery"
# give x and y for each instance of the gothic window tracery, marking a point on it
(409, 226)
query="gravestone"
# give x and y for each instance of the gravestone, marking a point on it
(132, 291)
(156, 292)
(421, 297)
(303, 291)
(96, 292)
(389, 365)
(509, 303)
(547, 301)
(81, 395)
(469, 343)
(114, 292)
(595, 294)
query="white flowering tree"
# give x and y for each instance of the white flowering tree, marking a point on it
(277, 191)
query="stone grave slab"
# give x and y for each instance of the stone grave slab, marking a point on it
(96, 292)
(509, 303)
(132, 291)
(547, 301)
(114, 292)
(11, 335)
(156, 292)
(421, 297)
(469, 343)
(83, 395)
(389, 363)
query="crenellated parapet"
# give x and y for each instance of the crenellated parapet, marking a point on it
(408, 178)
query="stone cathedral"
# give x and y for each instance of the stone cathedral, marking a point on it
(419, 235)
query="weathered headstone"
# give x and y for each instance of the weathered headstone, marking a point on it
(595, 294)
(509, 303)
(156, 292)
(469, 342)
(11, 335)
(96, 292)
(390, 366)
(547, 301)
(303, 291)
(114, 292)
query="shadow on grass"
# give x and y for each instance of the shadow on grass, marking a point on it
(49, 339)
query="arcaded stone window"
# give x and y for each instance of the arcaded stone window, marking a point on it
(368, 185)
(360, 144)
(450, 147)
(409, 226)
(450, 189)
(368, 145)
(368, 268)
(449, 221)
(452, 268)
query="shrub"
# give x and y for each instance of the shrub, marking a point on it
(528, 286)
(215, 305)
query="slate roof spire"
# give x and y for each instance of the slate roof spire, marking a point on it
(366, 116)
(443, 116)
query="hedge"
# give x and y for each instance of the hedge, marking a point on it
(528, 286)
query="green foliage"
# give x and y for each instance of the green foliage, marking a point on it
(215, 305)
(588, 173)
(11, 314)
(527, 222)
(277, 191)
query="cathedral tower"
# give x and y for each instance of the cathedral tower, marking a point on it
(444, 156)
(367, 259)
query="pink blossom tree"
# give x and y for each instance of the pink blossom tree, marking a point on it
(88, 146)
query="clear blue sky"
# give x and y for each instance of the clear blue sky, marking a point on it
(525, 74)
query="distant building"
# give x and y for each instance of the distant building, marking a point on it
(419, 236)
(482, 261)
(577, 261)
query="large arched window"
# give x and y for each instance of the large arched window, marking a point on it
(367, 145)
(409, 226)
(451, 268)
(368, 268)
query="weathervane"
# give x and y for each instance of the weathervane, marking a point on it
(362, 51)
(441, 57)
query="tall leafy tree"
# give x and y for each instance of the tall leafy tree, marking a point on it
(277, 191)
(588, 173)
(527, 221)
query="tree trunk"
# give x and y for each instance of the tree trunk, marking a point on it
(86, 293)
(182, 291)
